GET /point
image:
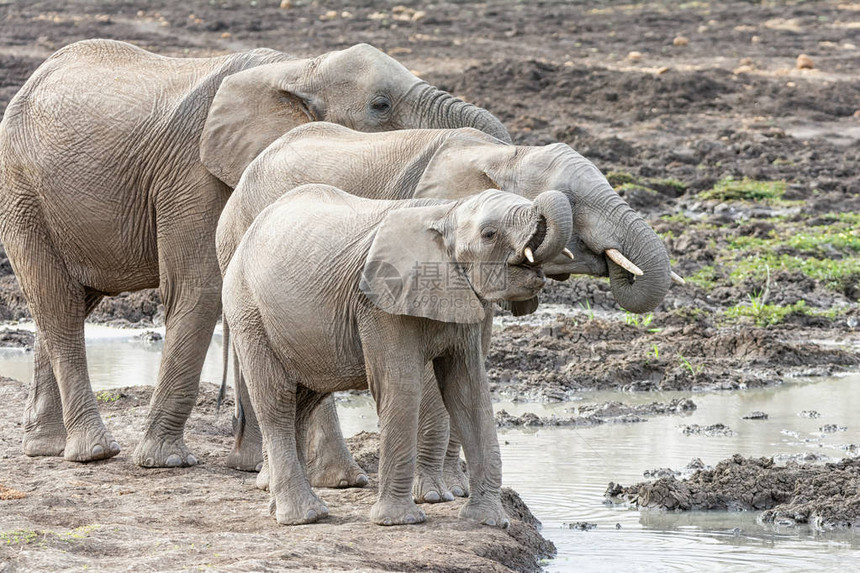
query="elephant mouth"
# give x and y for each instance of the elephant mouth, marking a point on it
(526, 256)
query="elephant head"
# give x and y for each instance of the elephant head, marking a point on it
(609, 238)
(360, 87)
(443, 259)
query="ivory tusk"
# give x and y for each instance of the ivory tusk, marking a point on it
(567, 253)
(623, 262)
(677, 279)
(529, 254)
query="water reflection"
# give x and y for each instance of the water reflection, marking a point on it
(562, 472)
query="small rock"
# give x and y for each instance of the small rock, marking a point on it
(755, 416)
(226, 35)
(804, 62)
(809, 414)
(286, 4)
(634, 56)
(579, 525)
(680, 41)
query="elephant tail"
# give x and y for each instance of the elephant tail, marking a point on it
(225, 355)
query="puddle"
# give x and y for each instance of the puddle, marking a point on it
(562, 472)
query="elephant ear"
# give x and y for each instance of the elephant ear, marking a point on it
(408, 270)
(465, 164)
(251, 109)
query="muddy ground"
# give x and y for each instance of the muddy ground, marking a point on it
(743, 157)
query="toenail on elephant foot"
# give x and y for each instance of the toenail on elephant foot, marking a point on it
(298, 513)
(396, 513)
(429, 489)
(90, 445)
(492, 515)
(175, 461)
(458, 491)
(44, 442)
(156, 454)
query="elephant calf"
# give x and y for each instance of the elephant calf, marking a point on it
(328, 291)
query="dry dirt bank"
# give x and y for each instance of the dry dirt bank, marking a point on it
(116, 516)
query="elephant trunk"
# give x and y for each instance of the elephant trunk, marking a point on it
(441, 110)
(555, 225)
(644, 283)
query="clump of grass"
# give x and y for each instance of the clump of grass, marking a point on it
(107, 397)
(746, 189)
(618, 178)
(689, 366)
(763, 314)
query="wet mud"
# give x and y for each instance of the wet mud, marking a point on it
(825, 497)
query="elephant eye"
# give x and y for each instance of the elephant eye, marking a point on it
(380, 105)
(488, 233)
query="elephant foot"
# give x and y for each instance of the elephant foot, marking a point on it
(344, 473)
(263, 477)
(487, 513)
(429, 489)
(90, 444)
(455, 478)
(163, 453)
(396, 512)
(299, 509)
(245, 459)
(44, 441)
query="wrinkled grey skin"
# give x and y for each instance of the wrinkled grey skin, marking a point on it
(440, 164)
(114, 166)
(313, 312)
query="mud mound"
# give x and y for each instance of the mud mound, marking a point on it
(825, 497)
(114, 515)
(554, 361)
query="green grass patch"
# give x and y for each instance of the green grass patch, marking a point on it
(618, 178)
(762, 314)
(107, 397)
(746, 189)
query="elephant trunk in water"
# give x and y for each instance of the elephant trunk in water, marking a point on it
(441, 110)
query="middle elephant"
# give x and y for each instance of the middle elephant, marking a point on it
(451, 163)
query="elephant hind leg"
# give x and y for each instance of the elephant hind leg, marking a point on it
(58, 304)
(247, 452)
(273, 392)
(328, 461)
(44, 431)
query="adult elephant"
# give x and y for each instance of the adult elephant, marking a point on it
(608, 238)
(114, 166)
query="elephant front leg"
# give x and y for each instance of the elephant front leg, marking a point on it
(466, 394)
(433, 435)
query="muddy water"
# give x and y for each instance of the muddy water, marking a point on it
(563, 472)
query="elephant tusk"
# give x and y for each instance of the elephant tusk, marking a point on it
(677, 279)
(567, 253)
(529, 254)
(623, 262)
